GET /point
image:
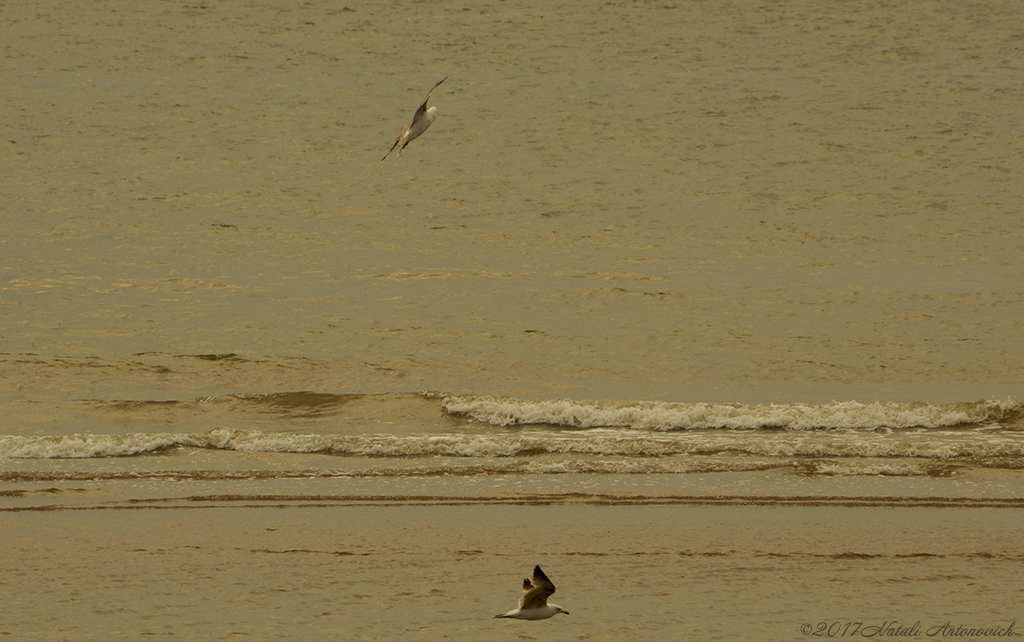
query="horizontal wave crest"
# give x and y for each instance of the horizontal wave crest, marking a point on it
(934, 445)
(666, 416)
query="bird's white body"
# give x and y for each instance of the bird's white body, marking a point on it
(536, 613)
(533, 605)
(421, 120)
(418, 126)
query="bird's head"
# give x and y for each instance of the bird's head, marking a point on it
(558, 609)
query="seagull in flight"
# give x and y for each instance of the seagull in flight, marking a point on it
(420, 121)
(533, 605)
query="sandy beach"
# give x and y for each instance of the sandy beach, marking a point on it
(334, 559)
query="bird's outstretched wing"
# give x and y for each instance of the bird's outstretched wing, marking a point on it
(541, 580)
(397, 140)
(536, 592)
(423, 105)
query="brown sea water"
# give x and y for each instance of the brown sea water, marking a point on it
(702, 201)
(711, 308)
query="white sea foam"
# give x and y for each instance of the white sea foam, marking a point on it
(872, 468)
(618, 443)
(94, 446)
(664, 416)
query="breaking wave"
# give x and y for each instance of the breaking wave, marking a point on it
(933, 445)
(666, 416)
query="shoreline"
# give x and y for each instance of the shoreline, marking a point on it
(179, 489)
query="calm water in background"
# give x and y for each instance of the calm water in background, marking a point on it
(781, 241)
(686, 202)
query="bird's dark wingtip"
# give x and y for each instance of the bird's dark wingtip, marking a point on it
(542, 579)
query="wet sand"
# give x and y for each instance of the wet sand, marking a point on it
(327, 559)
